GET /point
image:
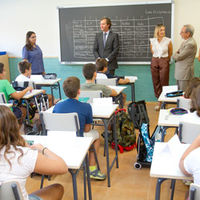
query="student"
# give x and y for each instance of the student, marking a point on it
(102, 68)
(18, 160)
(25, 69)
(190, 161)
(89, 72)
(194, 82)
(71, 87)
(194, 114)
(10, 92)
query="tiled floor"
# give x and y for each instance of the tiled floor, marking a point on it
(127, 183)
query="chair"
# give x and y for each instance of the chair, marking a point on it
(91, 94)
(62, 122)
(41, 102)
(19, 86)
(10, 191)
(109, 81)
(194, 192)
(184, 103)
(188, 132)
(2, 97)
(59, 122)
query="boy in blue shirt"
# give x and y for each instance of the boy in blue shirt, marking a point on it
(71, 87)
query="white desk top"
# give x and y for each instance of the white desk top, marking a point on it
(163, 98)
(66, 145)
(103, 111)
(34, 92)
(132, 78)
(6, 104)
(165, 164)
(166, 89)
(99, 111)
(168, 119)
(39, 80)
(118, 89)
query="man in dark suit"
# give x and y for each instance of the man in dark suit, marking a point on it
(106, 45)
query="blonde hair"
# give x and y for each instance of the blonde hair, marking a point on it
(157, 29)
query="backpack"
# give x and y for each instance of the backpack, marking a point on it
(138, 113)
(147, 142)
(126, 136)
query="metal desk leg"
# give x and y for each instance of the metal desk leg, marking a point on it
(163, 104)
(52, 95)
(159, 182)
(84, 180)
(74, 173)
(173, 182)
(27, 112)
(59, 90)
(163, 133)
(88, 178)
(116, 144)
(107, 150)
(133, 92)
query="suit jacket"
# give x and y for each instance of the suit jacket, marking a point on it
(184, 60)
(110, 50)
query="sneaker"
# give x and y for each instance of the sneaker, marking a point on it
(157, 108)
(96, 174)
(187, 182)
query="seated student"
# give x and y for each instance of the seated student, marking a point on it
(194, 82)
(194, 114)
(89, 72)
(102, 68)
(71, 87)
(190, 161)
(10, 92)
(18, 159)
(25, 74)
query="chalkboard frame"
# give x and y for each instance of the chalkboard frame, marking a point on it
(116, 4)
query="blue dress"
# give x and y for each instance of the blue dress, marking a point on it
(35, 58)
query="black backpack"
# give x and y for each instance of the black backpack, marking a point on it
(138, 113)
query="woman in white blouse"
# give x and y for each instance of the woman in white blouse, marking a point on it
(161, 48)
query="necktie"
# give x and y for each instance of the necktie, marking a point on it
(104, 39)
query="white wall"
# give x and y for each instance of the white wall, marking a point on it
(19, 16)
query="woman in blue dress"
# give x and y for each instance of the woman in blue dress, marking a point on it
(32, 53)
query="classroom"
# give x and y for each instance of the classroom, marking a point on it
(127, 182)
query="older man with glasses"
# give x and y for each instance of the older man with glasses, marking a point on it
(184, 57)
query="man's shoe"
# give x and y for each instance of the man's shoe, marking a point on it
(96, 174)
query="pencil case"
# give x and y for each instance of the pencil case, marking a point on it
(175, 93)
(50, 76)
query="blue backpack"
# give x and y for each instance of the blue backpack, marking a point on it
(148, 142)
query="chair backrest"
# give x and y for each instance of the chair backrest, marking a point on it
(10, 191)
(2, 97)
(188, 132)
(109, 81)
(184, 103)
(170, 88)
(91, 94)
(194, 193)
(60, 122)
(19, 86)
